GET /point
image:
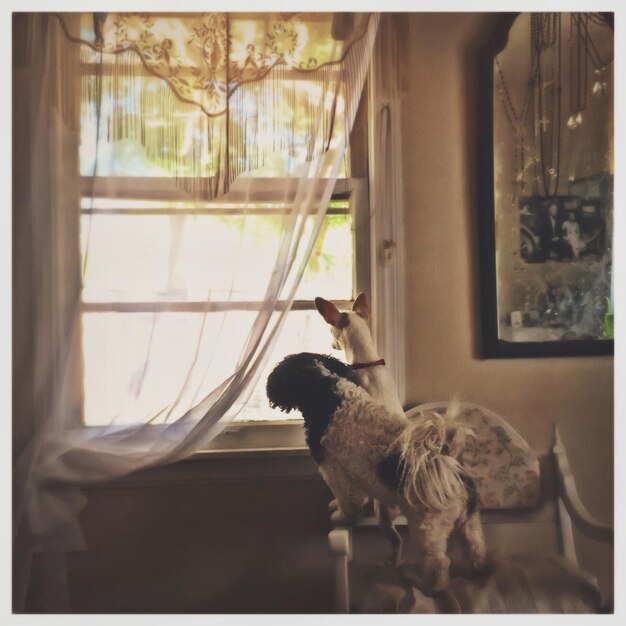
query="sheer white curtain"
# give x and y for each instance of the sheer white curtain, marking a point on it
(59, 85)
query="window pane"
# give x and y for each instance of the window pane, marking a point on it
(329, 272)
(132, 258)
(137, 364)
(303, 331)
(140, 136)
(133, 103)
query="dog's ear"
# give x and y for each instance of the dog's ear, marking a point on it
(328, 311)
(361, 307)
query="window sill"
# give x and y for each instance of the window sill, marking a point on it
(245, 452)
(266, 438)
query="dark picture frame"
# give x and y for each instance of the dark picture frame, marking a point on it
(491, 344)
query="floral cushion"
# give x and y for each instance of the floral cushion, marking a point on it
(505, 469)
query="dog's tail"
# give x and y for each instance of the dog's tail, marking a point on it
(431, 476)
(457, 432)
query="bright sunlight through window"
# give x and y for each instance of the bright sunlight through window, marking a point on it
(155, 263)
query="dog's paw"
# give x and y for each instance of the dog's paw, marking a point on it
(333, 505)
(478, 560)
(429, 581)
(341, 518)
(479, 563)
(415, 577)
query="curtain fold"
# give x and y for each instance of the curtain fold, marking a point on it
(46, 277)
(77, 116)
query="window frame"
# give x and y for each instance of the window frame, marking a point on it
(352, 188)
(258, 435)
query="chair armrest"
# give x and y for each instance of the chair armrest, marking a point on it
(340, 542)
(583, 520)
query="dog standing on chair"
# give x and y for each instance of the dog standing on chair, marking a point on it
(362, 449)
(350, 333)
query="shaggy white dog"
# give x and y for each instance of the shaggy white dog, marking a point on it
(362, 449)
(351, 333)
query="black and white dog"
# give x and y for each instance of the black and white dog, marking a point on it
(364, 450)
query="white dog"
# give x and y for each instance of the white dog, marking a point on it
(350, 333)
(364, 450)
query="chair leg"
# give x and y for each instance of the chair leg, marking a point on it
(385, 523)
(340, 542)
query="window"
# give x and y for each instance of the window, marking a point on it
(152, 255)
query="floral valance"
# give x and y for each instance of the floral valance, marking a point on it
(207, 97)
(205, 57)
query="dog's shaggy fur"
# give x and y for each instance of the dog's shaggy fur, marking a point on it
(364, 450)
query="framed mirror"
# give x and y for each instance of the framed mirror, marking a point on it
(546, 189)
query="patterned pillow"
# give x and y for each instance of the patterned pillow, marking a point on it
(505, 469)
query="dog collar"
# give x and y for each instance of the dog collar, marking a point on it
(360, 366)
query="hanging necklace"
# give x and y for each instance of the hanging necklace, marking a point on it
(542, 106)
(578, 65)
(597, 19)
(546, 49)
(591, 49)
(517, 121)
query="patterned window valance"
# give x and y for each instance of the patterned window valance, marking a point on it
(205, 57)
(207, 98)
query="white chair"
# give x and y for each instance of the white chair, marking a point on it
(528, 504)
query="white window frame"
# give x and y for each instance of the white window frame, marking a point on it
(237, 435)
(374, 234)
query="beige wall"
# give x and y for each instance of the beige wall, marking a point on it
(441, 209)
